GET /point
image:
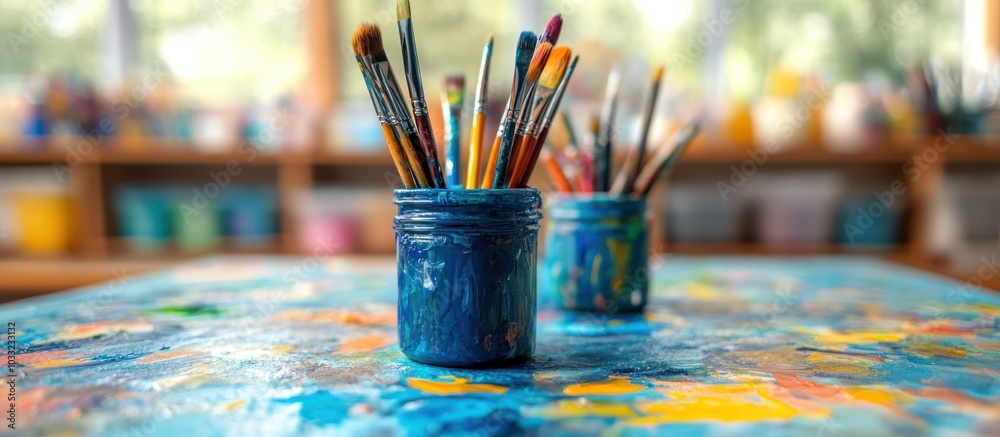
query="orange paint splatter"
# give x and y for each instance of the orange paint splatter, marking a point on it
(379, 317)
(58, 363)
(92, 330)
(157, 357)
(616, 385)
(790, 381)
(37, 357)
(234, 405)
(366, 343)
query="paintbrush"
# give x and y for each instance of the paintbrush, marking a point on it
(530, 103)
(555, 171)
(666, 156)
(454, 90)
(518, 94)
(552, 30)
(633, 162)
(551, 88)
(605, 137)
(367, 43)
(587, 157)
(391, 139)
(479, 118)
(414, 83)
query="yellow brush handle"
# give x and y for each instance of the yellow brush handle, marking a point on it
(419, 173)
(475, 150)
(398, 156)
(491, 166)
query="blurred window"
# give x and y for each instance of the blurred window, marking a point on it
(49, 36)
(225, 50)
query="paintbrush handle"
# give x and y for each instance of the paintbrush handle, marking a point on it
(475, 150)
(515, 160)
(556, 173)
(453, 153)
(626, 176)
(429, 146)
(398, 156)
(491, 165)
(418, 165)
(521, 166)
(504, 158)
(585, 177)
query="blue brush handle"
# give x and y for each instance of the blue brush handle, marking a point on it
(503, 159)
(453, 157)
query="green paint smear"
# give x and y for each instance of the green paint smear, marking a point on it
(191, 311)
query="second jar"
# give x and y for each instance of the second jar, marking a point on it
(596, 253)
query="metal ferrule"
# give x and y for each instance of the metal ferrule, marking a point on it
(537, 112)
(411, 65)
(526, 106)
(397, 107)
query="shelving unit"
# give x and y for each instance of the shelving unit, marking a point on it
(100, 252)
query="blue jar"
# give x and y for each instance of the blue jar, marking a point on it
(597, 253)
(466, 265)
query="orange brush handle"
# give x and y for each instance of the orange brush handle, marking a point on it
(491, 165)
(556, 173)
(521, 164)
(398, 156)
(475, 150)
(417, 164)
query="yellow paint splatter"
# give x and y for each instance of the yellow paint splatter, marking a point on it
(586, 407)
(234, 405)
(616, 385)
(455, 386)
(595, 269)
(832, 363)
(931, 349)
(546, 375)
(57, 363)
(715, 408)
(157, 357)
(281, 349)
(699, 291)
(879, 396)
(830, 337)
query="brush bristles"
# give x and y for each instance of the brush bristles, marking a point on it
(538, 61)
(553, 29)
(525, 47)
(555, 68)
(367, 39)
(658, 74)
(402, 9)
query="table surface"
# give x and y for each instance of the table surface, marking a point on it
(728, 346)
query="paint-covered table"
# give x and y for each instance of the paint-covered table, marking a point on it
(729, 346)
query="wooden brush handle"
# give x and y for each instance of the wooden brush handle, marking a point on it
(515, 159)
(398, 156)
(556, 173)
(429, 146)
(491, 165)
(521, 164)
(475, 150)
(418, 165)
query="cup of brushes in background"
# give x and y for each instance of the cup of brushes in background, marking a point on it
(466, 271)
(596, 252)
(44, 218)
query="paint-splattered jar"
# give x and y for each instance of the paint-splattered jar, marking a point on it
(467, 272)
(596, 253)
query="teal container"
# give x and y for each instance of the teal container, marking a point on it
(597, 253)
(467, 275)
(197, 225)
(143, 214)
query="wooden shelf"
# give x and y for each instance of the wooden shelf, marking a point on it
(759, 248)
(162, 152)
